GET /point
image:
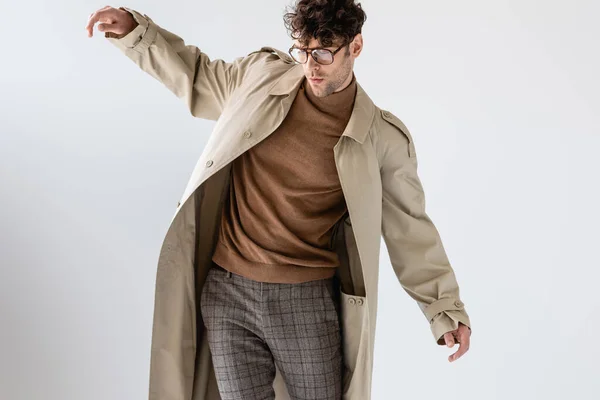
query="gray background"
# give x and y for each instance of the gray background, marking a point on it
(501, 98)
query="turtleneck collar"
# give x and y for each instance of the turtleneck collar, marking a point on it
(335, 103)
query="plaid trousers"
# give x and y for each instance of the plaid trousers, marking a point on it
(252, 326)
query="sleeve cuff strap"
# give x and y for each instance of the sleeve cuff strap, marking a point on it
(441, 305)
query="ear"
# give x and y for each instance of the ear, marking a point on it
(356, 45)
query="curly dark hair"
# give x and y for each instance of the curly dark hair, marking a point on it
(328, 21)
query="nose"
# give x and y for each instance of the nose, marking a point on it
(312, 64)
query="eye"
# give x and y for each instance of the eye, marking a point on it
(323, 56)
(299, 55)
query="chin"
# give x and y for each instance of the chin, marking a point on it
(319, 88)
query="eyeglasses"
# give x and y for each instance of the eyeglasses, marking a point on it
(320, 55)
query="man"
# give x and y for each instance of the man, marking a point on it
(267, 279)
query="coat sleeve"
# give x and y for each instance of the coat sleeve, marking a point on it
(413, 242)
(205, 85)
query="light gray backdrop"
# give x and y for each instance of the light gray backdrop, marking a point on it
(501, 98)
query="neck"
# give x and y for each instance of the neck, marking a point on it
(346, 82)
(337, 102)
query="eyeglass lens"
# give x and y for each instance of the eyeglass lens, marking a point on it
(322, 56)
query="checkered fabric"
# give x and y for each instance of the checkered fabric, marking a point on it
(253, 326)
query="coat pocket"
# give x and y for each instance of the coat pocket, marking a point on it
(355, 342)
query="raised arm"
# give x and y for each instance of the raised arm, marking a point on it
(204, 85)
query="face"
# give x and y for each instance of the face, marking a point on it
(333, 77)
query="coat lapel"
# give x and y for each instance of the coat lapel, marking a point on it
(362, 113)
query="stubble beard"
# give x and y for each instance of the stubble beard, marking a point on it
(331, 87)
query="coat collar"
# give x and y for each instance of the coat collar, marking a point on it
(362, 113)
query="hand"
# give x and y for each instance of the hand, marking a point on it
(462, 335)
(115, 21)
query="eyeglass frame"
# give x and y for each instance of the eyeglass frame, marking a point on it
(333, 53)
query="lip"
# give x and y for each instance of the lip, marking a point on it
(315, 80)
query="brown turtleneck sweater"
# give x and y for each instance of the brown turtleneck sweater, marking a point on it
(285, 195)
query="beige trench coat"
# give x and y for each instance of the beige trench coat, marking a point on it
(377, 166)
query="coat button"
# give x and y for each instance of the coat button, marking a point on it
(247, 134)
(387, 114)
(457, 303)
(209, 163)
(352, 300)
(359, 302)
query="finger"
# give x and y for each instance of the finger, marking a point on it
(465, 342)
(114, 28)
(93, 18)
(103, 15)
(97, 17)
(462, 349)
(449, 339)
(101, 9)
(465, 339)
